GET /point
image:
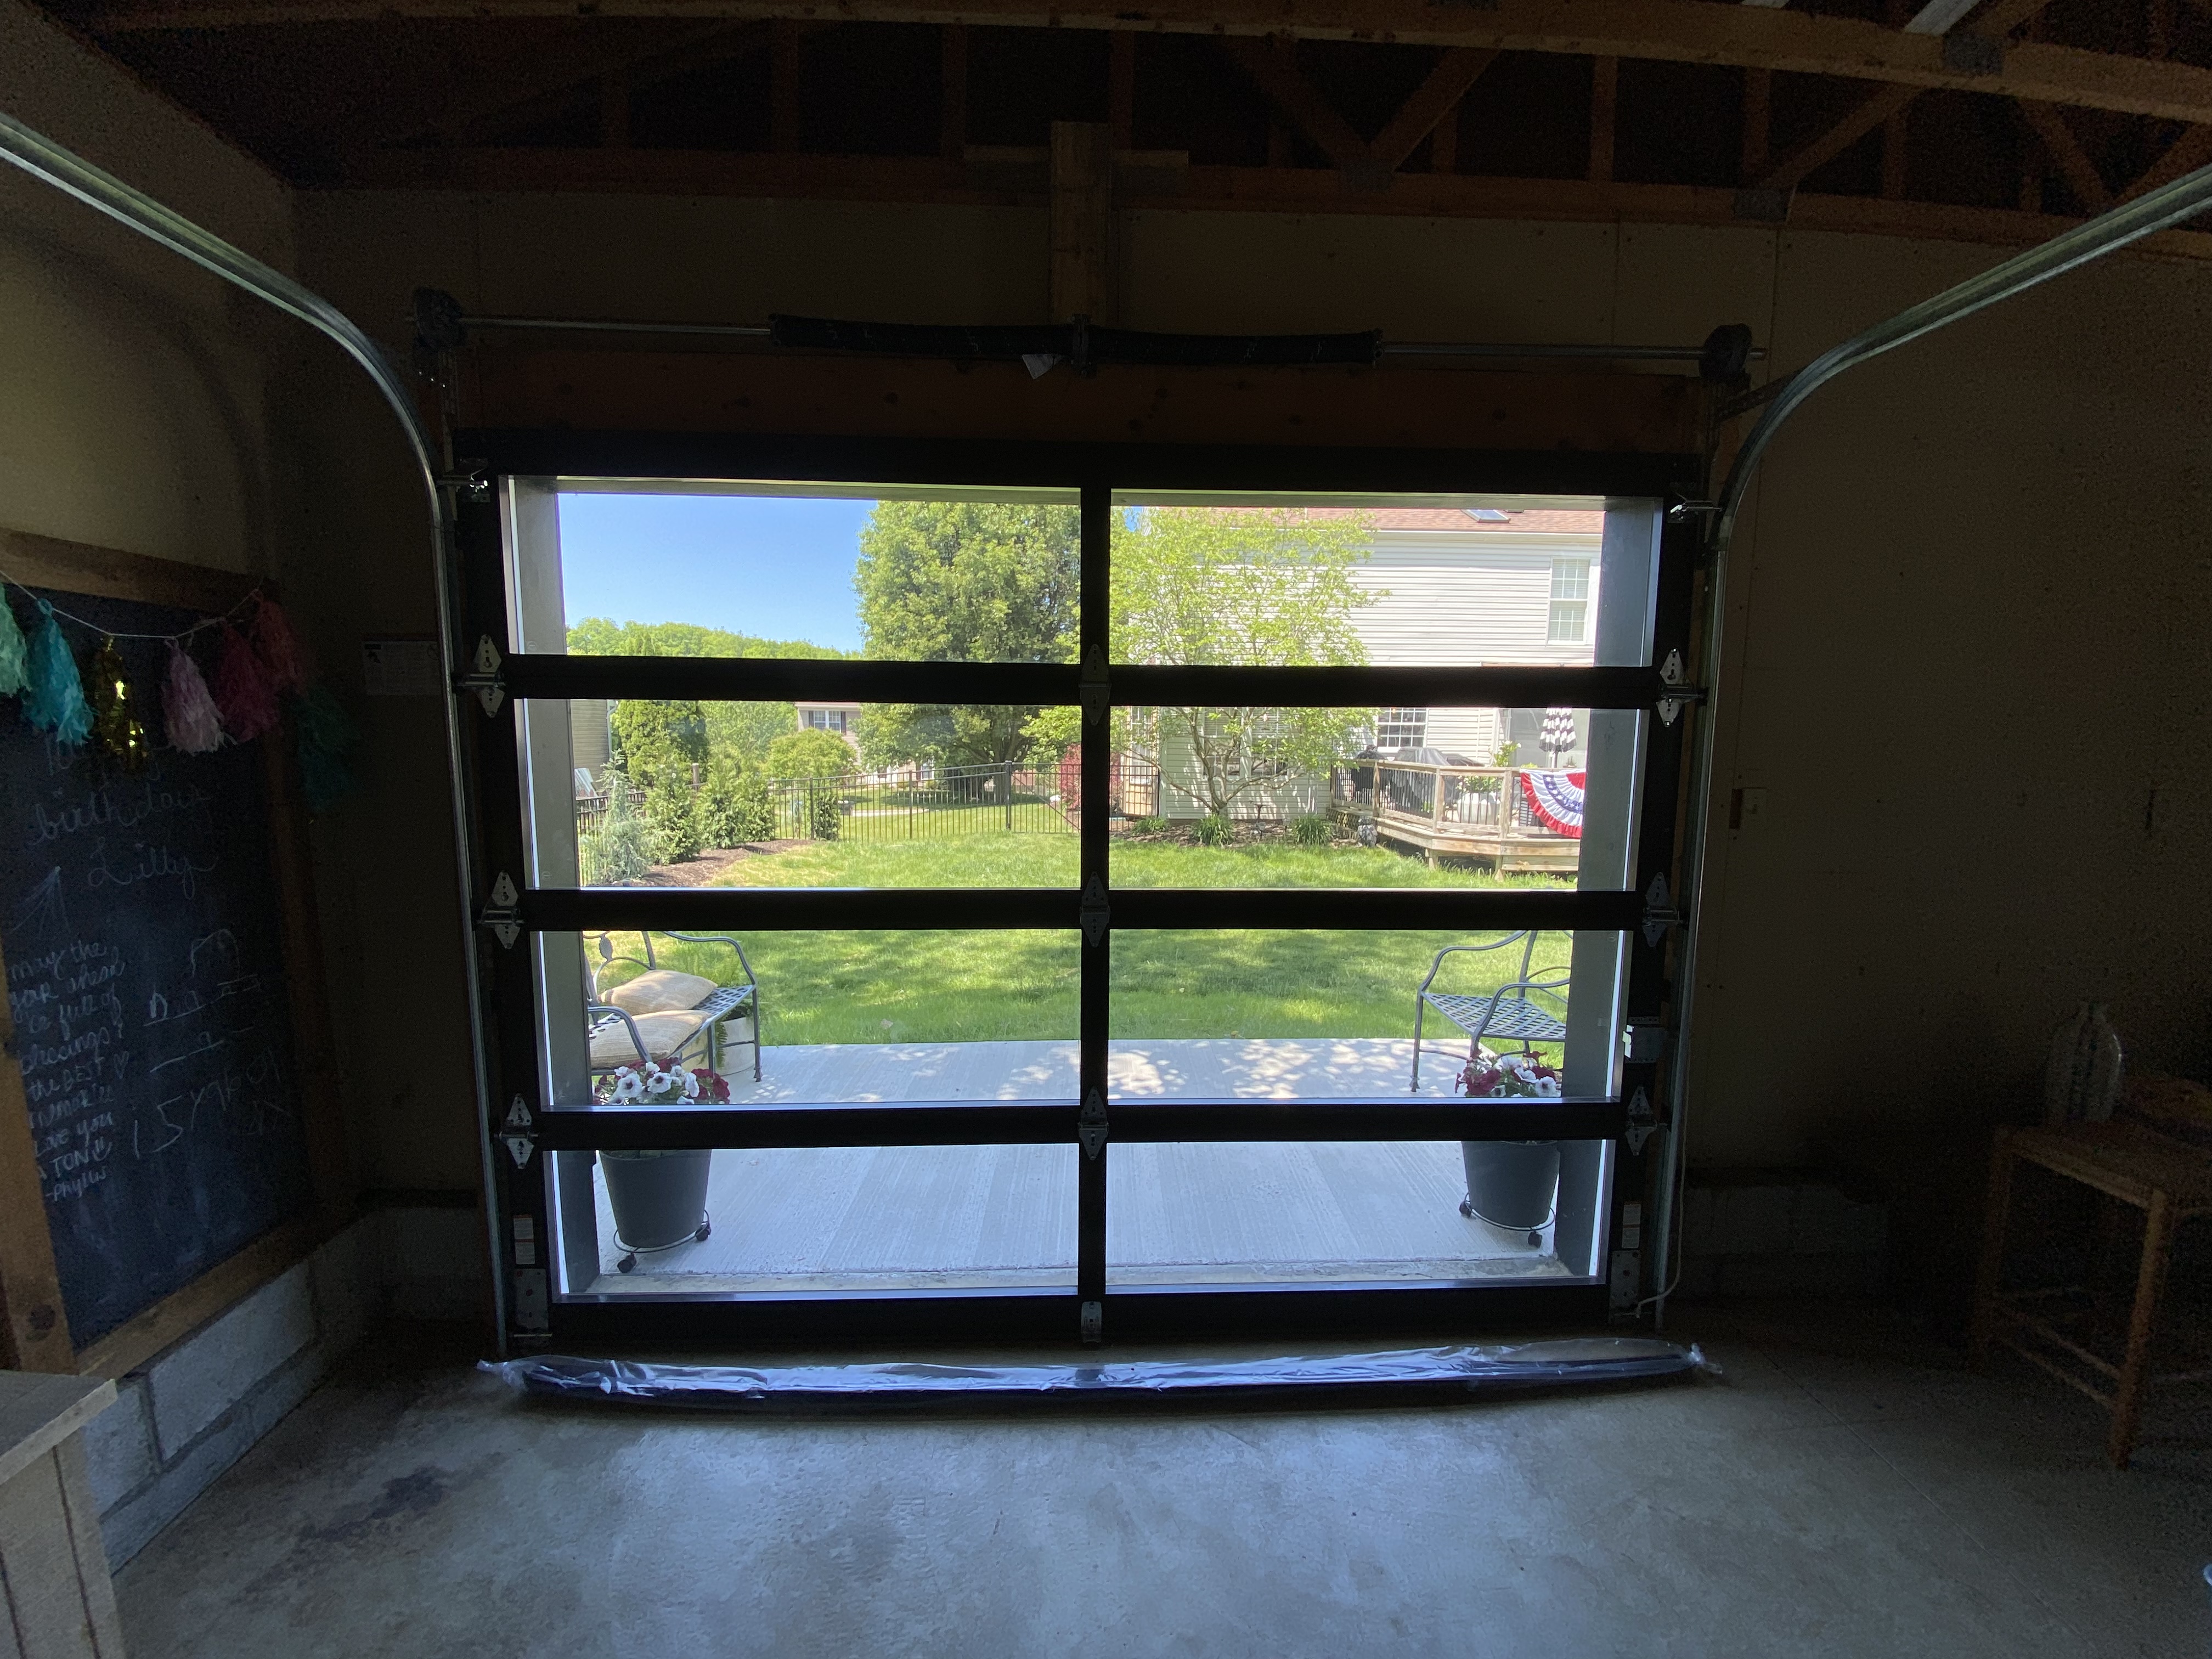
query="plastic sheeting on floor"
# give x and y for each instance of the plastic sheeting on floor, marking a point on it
(1405, 1375)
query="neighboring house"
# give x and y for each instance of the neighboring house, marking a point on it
(591, 735)
(1457, 587)
(843, 718)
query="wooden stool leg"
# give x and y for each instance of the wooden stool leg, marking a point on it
(1991, 1271)
(2143, 1318)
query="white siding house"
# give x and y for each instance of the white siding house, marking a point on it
(1454, 588)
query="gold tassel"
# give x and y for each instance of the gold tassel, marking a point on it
(115, 724)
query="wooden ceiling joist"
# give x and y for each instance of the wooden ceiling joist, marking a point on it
(2066, 153)
(1676, 31)
(1365, 161)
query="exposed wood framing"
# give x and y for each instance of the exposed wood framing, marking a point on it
(1275, 74)
(1364, 163)
(1758, 117)
(1874, 109)
(1082, 215)
(1434, 100)
(930, 179)
(953, 118)
(1604, 101)
(2066, 154)
(1674, 31)
(2192, 150)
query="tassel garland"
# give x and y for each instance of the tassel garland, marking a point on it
(53, 697)
(241, 689)
(195, 724)
(14, 655)
(326, 739)
(116, 727)
(280, 646)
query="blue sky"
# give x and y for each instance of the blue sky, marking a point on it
(772, 566)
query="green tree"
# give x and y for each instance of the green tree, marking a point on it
(734, 807)
(812, 753)
(656, 740)
(1238, 586)
(963, 581)
(671, 819)
(739, 730)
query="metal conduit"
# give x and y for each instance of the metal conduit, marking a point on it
(2155, 210)
(44, 160)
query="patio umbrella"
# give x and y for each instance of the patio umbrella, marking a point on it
(1559, 732)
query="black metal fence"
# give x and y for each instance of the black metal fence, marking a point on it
(953, 800)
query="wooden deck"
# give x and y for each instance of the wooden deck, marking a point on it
(1464, 811)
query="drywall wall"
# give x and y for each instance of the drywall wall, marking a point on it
(1969, 611)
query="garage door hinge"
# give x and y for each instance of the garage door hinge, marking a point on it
(484, 677)
(1094, 1323)
(1678, 694)
(1096, 912)
(467, 481)
(1642, 1121)
(1092, 687)
(518, 1131)
(1660, 918)
(503, 915)
(1090, 1124)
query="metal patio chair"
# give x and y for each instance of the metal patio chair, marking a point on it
(618, 1036)
(1523, 1009)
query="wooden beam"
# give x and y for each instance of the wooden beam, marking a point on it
(1427, 105)
(1872, 112)
(1605, 98)
(783, 88)
(1082, 218)
(1757, 113)
(1796, 41)
(952, 100)
(2066, 153)
(1443, 143)
(1121, 91)
(1215, 189)
(2192, 150)
(1274, 74)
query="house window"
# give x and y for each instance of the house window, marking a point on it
(1570, 600)
(828, 720)
(1401, 728)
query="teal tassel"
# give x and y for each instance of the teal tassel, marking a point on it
(14, 674)
(327, 736)
(54, 700)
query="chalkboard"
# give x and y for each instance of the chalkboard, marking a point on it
(143, 934)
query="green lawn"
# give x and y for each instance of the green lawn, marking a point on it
(973, 986)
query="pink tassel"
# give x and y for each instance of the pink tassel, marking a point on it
(241, 689)
(280, 646)
(194, 722)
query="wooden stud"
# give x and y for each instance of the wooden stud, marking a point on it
(2143, 1318)
(1757, 109)
(1082, 212)
(1276, 75)
(1605, 96)
(2065, 149)
(1437, 97)
(952, 100)
(2192, 150)
(1443, 143)
(1790, 171)
(1121, 90)
(783, 88)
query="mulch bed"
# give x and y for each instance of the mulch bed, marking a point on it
(702, 871)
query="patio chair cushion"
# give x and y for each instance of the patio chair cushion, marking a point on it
(664, 1034)
(659, 991)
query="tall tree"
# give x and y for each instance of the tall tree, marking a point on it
(1239, 586)
(737, 732)
(963, 581)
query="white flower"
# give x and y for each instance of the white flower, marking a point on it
(690, 1083)
(628, 1086)
(1547, 1085)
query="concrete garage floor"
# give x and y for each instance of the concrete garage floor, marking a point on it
(1823, 1497)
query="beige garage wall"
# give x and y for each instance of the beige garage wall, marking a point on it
(1969, 612)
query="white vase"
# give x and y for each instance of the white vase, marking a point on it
(2083, 1083)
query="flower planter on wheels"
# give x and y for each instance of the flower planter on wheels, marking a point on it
(659, 1200)
(1511, 1184)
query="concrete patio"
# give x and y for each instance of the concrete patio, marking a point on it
(999, 1217)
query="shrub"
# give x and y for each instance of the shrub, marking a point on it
(734, 806)
(1148, 826)
(1311, 829)
(812, 753)
(615, 850)
(825, 814)
(671, 819)
(1214, 830)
